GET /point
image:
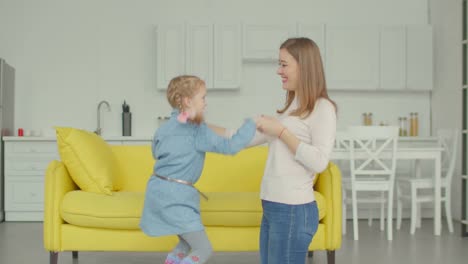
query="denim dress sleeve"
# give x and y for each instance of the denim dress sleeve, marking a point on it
(207, 140)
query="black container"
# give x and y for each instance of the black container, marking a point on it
(126, 124)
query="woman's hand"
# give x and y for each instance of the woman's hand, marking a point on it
(269, 125)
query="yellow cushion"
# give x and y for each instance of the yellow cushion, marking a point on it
(134, 167)
(123, 209)
(240, 173)
(88, 158)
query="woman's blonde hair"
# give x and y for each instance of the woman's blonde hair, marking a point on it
(182, 86)
(311, 84)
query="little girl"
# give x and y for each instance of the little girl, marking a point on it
(172, 203)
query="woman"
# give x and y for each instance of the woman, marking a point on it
(300, 139)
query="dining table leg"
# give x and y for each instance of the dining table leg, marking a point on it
(437, 194)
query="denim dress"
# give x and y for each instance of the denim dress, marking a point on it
(179, 150)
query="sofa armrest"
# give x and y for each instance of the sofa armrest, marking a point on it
(329, 185)
(57, 184)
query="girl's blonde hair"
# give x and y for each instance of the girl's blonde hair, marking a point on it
(311, 84)
(182, 86)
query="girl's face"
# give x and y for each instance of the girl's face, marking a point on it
(196, 105)
(288, 69)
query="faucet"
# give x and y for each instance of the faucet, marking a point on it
(99, 129)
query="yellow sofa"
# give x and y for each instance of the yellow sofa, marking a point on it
(75, 220)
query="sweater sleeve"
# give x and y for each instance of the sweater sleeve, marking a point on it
(316, 155)
(258, 139)
(208, 141)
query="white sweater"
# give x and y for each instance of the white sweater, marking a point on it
(288, 178)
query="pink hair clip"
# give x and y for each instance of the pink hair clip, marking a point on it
(182, 117)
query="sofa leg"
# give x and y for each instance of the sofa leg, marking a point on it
(53, 257)
(331, 256)
(75, 254)
(310, 254)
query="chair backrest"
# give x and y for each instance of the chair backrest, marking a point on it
(373, 152)
(448, 140)
(341, 140)
(342, 143)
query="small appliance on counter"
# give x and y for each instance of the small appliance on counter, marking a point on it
(126, 120)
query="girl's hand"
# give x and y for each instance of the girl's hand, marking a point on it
(269, 125)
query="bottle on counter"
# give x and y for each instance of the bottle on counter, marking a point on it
(405, 127)
(416, 124)
(411, 124)
(400, 125)
(369, 119)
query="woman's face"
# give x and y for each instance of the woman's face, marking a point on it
(288, 69)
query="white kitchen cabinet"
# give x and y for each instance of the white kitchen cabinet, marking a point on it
(352, 57)
(392, 58)
(199, 52)
(261, 42)
(227, 56)
(25, 162)
(170, 54)
(210, 51)
(419, 58)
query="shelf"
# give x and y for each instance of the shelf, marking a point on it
(465, 177)
(465, 222)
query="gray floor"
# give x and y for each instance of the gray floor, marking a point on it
(22, 243)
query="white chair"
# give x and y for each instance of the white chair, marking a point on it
(372, 167)
(420, 190)
(342, 143)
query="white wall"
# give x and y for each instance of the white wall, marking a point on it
(69, 55)
(446, 18)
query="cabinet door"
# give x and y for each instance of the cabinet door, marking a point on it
(262, 42)
(419, 57)
(316, 33)
(170, 53)
(227, 56)
(200, 51)
(352, 57)
(393, 58)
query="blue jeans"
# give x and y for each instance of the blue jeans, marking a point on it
(286, 232)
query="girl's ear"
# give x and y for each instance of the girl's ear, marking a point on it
(187, 102)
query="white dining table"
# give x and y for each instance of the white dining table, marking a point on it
(423, 148)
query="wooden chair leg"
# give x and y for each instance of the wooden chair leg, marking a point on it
(331, 257)
(53, 257)
(75, 254)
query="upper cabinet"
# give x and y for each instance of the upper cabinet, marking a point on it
(355, 57)
(227, 59)
(419, 58)
(262, 41)
(199, 52)
(210, 51)
(392, 58)
(170, 54)
(352, 57)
